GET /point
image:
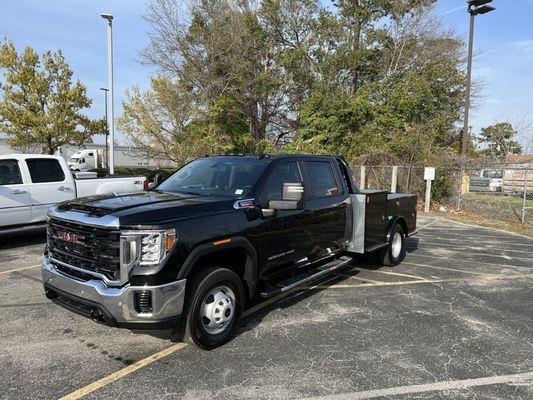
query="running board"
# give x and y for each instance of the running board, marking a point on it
(297, 280)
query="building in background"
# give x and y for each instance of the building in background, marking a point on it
(518, 174)
(520, 160)
(125, 156)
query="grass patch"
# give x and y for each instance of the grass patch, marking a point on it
(470, 218)
(499, 207)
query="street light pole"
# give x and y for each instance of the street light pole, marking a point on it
(105, 90)
(468, 82)
(111, 122)
(475, 7)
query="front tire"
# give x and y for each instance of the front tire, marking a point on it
(394, 253)
(213, 307)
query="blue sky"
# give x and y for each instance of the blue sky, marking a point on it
(503, 47)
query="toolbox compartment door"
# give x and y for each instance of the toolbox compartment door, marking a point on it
(375, 219)
(368, 221)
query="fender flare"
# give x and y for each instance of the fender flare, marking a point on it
(398, 219)
(251, 268)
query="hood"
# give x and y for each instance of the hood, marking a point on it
(145, 208)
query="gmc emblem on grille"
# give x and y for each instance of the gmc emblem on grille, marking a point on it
(70, 237)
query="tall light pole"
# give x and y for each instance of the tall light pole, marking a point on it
(475, 7)
(111, 119)
(105, 90)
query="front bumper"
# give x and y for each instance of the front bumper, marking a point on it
(114, 306)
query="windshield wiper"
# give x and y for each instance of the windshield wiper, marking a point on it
(195, 193)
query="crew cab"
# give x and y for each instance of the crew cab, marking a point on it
(30, 184)
(193, 252)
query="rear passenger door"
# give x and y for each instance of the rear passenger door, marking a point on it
(15, 202)
(326, 203)
(49, 186)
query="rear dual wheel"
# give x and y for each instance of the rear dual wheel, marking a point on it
(394, 252)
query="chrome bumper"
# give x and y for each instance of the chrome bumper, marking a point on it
(117, 303)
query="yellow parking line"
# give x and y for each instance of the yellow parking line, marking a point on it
(106, 380)
(362, 279)
(413, 282)
(398, 274)
(427, 225)
(448, 269)
(18, 269)
(487, 277)
(355, 277)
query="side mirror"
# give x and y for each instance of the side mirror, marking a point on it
(291, 199)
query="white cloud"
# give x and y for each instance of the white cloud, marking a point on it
(483, 53)
(525, 45)
(453, 10)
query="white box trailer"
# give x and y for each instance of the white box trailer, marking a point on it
(87, 159)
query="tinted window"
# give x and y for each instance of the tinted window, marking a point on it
(10, 172)
(45, 170)
(230, 176)
(321, 178)
(284, 173)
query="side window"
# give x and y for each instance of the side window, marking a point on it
(10, 172)
(45, 170)
(90, 154)
(284, 173)
(321, 178)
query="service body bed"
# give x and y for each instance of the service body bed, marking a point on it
(371, 211)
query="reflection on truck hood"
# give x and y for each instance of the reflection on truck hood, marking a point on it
(147, 207)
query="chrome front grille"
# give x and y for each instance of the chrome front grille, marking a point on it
(92, 249)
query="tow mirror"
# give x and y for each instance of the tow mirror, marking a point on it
(291, 199)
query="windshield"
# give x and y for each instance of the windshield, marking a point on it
(227, 176)
(74, 159)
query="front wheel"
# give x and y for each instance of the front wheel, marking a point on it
(213, 307)
(394, 252)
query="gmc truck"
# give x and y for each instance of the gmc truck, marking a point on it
(220, 233)
(31, 183)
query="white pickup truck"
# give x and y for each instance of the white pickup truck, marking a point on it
(31, 183)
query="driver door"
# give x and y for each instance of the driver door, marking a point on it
(286, 237)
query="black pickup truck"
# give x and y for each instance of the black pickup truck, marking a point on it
(219, 233)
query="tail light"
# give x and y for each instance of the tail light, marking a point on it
(145, 184)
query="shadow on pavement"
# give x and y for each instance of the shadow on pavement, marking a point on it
(23, 237)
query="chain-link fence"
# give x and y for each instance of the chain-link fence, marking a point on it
(399, 179)
(503, 193)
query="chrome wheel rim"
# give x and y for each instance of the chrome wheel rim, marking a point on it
(218, 309)
(396, 247)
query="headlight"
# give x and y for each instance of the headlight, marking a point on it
(146, 247)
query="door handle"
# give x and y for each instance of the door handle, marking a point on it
(64, 188)
(19, 191)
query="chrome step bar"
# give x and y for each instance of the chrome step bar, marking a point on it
(297, 280)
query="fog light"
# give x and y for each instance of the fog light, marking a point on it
(143, 301)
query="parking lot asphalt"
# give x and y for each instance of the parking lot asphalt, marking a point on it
(454, 320)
